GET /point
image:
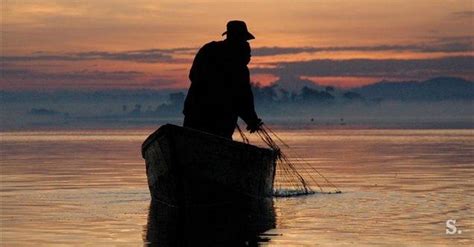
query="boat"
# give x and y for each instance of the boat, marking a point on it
(187, 167)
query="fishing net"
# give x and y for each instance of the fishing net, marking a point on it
(293, 176)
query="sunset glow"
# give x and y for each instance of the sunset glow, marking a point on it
(90, 45)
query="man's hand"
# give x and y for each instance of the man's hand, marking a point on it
(254, 125)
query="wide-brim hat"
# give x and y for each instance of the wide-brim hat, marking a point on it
(238, 30)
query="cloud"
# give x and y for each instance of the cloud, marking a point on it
(184, 55)
(464, 14)
(458, 44)
(161, 81)
(394, 68)
(273, 51)
(450, 44)
(142, 56)
(19, 78)
(15, 75)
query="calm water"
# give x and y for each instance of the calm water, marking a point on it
(89, 188)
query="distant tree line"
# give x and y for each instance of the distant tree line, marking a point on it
(173, 106)
(265, 97)
(275, 94)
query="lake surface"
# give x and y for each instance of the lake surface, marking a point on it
(88, 187)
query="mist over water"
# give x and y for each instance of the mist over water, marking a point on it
(110, 114)
(441, 102)
(88, 187)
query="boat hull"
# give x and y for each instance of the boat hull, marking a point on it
(186, 167)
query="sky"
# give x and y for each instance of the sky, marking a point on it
(118, 44)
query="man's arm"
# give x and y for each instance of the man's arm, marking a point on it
(247, 106)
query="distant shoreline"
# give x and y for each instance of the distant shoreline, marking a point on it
(278, 123)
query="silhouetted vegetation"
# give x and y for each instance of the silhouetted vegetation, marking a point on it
(172, 107)
(274, 95)
(352, 96)
(47, 112)
(272, 100)
(43, 112)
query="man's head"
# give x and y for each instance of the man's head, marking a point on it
(237, 31)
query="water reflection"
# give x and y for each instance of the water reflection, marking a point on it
(236, 224)
(89, 189)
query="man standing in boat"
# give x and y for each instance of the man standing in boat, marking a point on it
(220, 89)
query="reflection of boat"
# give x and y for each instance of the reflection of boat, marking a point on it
(225, 225)
(186, 167)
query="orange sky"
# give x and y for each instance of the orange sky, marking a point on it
(57, 44)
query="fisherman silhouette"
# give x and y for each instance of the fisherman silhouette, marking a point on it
(220, 89)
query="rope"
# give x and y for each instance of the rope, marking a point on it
(304, 162)
(244, 138)
(290, 174)
(287, 177)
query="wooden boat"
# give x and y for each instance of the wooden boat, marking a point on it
(186, 167)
